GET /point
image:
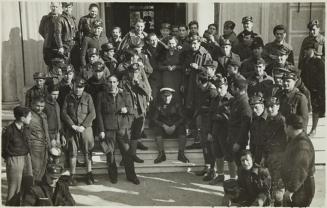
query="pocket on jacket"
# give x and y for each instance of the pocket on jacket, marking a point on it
(84, 107)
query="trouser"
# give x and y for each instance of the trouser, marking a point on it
(39, 158)
(19, 178)
(304, 195)
(160, 133)
(122, 138)
(208, 154)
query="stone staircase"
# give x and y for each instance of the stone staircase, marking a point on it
(171, 149)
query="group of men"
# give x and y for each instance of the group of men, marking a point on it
(224, 90)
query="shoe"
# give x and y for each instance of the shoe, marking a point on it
(312, 133)
(141, 146)
(202, 172)
(80, 164)
(181, 157)
(72, 181)
(161, 157)
(134, 180)
(92, 177)
(195, 145)
(113, 174)
(137, 159)
(218, 179)
(143, 135)
(88, 178)
(210, 175)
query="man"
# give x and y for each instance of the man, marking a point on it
(65, 30)
(93, 57)
(257, 126)
(275, 141)
(298, 165)
(243, 48)
(226, 57)
(174, 30)
(253, 184)
(16, 155)
(93, 40)
(248, 65)
(228, 33)
(165, 29)
(136, 44)
(315, 36)
(219, 112)
(241, 114)
(53, 190)
(281, 53)
(66, 84)
(258, 80)
(78, 112)
(55, 74)
(168, 119)
(193, 28)
(313, 76)
(209, 40)
(269, 49)
(39, 140)
(247, 23)
(134, 83)
(108, 55)
(47, 30)
(38, 90)
(137, 32)
(115, 38)
(183, 39)
(115, 112)
(292, 101)
(233, 73)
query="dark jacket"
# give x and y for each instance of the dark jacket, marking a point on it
(15, 141)
(239, 123)
(319, 49)
(260, 84)
(224, 60)
(219, 112)
(47, 29)
(248, 66)
(91, 41)
(298, 168)
(65, 30)
(108, 108)
(255, 184)
(171, 114)
(257, 133)
(33, 93)
(42, 194)
(64, 90)
(304, 90)
(39, 129)
(84, 26)
(272, 48)
(52, 110)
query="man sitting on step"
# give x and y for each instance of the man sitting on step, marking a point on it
(168, 119)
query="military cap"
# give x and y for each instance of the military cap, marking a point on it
(107, 47)
(313, 23)
(97, 23)
(296, 121)
(290, 75)
(257, 98)
(21, 111)
(257, 42)
(220, 80)
(224, 41)
(80, 82)
(92, 51)
(136, 42)
(278, 72)
(165, 25)
(98, 66)
(259, 61)
(234, 62)
(167, 91)
(282, 50)
(229, 24)
(195, 38)
(39, 75)
(67, 69)
(272, 101)
(211, 63)
(247, 19)
(66, 4)
(58, 62)
(54, 170)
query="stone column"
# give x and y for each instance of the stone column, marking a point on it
(11, 50)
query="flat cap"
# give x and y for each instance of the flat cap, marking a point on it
(66, 4)
(39, 75)
(272, 101)
(282, 50)
(80, 82)
(97, 23)
(224, 41)
(247, 19)
(211, 63)
(257, 98)
(98, 66)
(259, 61)
(107, 47)
(313, 23)
(136, 42)
(229, 24)
(167, 91)
(165, 25)
(295, 121)
(58, 62)
(290, 75)
(92, 51)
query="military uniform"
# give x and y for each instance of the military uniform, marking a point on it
(52, 110)
(272, 48)
(84, 26)
(35, 92)
(258, 83)
(91, 41)
(319, 48)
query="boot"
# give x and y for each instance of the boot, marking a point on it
(218, 179)
(133, 152)
(130, 169)
(181, 157)
(141, 146)
(202, 172)
(112, 169)
(210, 175)
(72, 181)
(89, 178)
(161, 157)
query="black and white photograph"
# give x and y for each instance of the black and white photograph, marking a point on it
(163, 103)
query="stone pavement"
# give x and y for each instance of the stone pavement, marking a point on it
(161, 189)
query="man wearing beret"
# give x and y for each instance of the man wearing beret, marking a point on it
(38, 90)
(292, 101)
(168, 119)
(219, 113)
(93, 40)
(248, 65)
(227, 55)
(313, 76)
(65, 29)
(47, 30)
(298, 164)
(275, 141)
(16, 155)
(269, 49)
(259, 80)
(78, 113)
(315, 36)
(115, 111)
